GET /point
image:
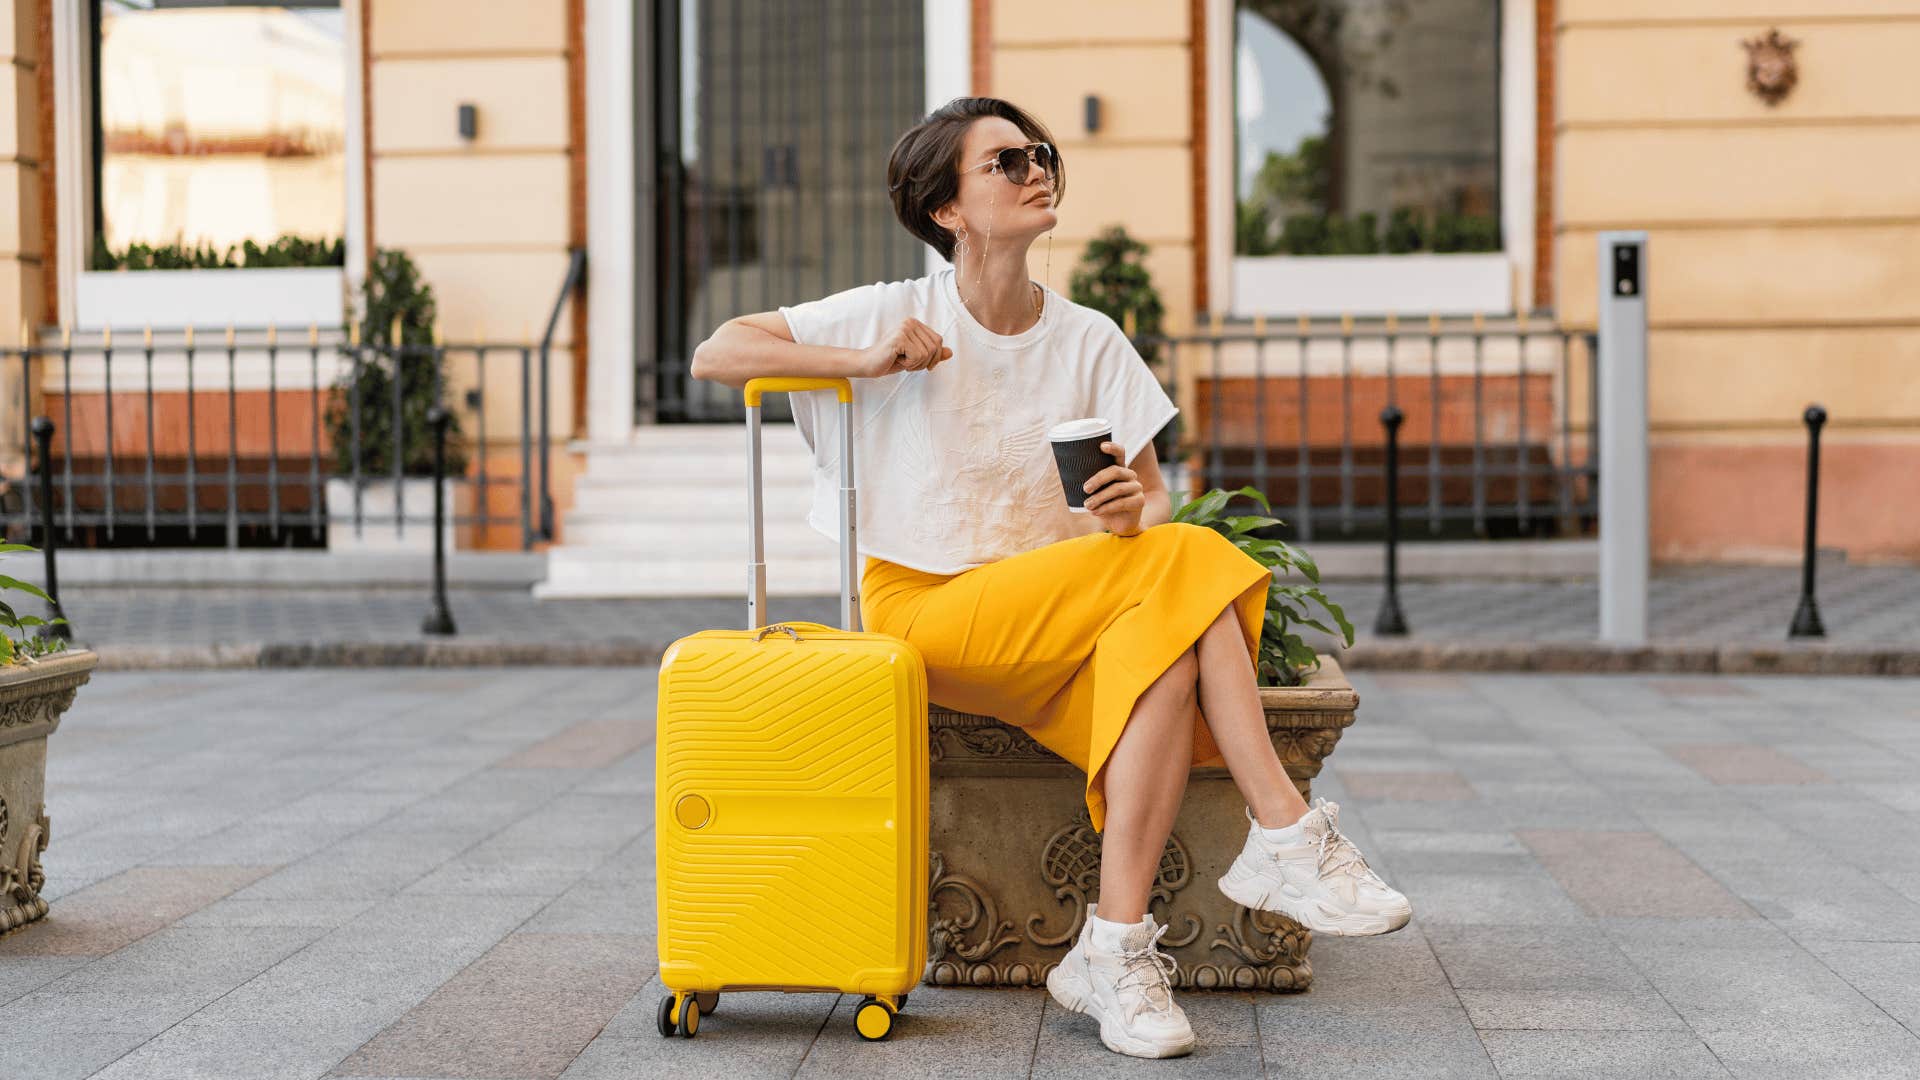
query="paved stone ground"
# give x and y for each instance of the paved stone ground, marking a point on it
(450, 873)
(1878, 605)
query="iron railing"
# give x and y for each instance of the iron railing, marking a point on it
(170, 451)
(1500, 421)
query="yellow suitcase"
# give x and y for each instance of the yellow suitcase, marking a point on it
(790, 795)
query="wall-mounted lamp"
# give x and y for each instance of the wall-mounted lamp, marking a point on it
(1093, 114)
(469, 120)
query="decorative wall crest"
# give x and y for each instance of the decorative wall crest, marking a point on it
(1772, 71)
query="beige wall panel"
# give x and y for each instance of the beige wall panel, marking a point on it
(470, 200)
(467, 26)
(522, 104)
(1626, 178)
(1739, 276)
(1146, 188)
(1846, 70)
(19, 115)
(1143, 90)
(19, 209)
(1764, 378)
(17, 37)
(504, 295)
(1578, 11)
(1101, 21)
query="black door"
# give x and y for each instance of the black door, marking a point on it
(773, 120)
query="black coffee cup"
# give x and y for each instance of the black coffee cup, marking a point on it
(1076, 450)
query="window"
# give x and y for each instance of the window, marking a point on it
(217, 124)
(1366, 127)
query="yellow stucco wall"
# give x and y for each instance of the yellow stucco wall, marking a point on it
(486, 220)
(21, 293)
(1785, 254)
(1137, 170)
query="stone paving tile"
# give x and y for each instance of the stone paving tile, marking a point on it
(1571, 1010)
(1870, 1046)
(63, 1055)
(1602, 1055)
(586, 745)
(1406, 785)
(125, 908)
(526, 1008)
(1738, 763)
(1887, 974)
(1533, 958)
(1629, 873)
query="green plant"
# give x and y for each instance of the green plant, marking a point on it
(393, 294)
(27, 647)
(1285, 658)
(287, 250)
(1113, 279)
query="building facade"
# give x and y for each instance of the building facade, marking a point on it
(1281, 158)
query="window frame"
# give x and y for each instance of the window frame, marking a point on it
(172, 298)
(1493, 283)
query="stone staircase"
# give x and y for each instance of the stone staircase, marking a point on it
(665, 514)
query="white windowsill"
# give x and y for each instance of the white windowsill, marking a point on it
(290, 297)
(1372, 285)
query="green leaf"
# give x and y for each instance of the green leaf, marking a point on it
(31, 620)
(27, 587)
(1208, 506)
(1256, 495)
(1248, 524)
(6, 548)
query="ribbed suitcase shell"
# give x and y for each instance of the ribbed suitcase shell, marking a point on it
(791, 791)
(809, 872)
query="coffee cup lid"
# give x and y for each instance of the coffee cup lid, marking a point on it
(1079, 429)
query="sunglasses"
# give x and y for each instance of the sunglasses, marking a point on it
(1014, 162)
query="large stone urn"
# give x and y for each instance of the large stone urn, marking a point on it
(1015, 861)
(32, 697)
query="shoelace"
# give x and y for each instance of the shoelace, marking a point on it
(1336, 853)
(1154, 971)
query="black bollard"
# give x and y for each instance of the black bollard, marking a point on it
(439, 620)
(43, 435)
(1806, 618)
(1392, 621)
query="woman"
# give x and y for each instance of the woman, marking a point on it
(1118, 639)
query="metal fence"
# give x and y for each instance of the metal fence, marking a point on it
(255, 436)
(1498, 439)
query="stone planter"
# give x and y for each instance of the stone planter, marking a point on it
(32, 697)
(1015, 861)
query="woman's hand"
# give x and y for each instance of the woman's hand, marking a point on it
(911, 346)
(1120, 498)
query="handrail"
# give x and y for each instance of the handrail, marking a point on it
(576, 275)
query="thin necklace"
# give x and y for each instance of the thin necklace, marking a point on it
(1038, 294)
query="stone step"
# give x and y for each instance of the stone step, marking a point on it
(608, 571)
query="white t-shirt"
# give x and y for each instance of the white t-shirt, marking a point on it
(953, 466)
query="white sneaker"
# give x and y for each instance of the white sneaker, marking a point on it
(1127, 989)
(1323, 883)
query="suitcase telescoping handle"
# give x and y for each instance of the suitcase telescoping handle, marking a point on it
(756, 533)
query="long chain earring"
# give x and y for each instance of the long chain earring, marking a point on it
(988, 246)
(1049, 258)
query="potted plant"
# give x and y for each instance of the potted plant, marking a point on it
(39, 675)
(362, 403)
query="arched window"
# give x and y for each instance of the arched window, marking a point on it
(1366, 126)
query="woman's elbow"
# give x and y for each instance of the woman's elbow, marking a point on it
(704, 364)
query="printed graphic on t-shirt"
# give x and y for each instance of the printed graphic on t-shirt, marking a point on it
(988, 490)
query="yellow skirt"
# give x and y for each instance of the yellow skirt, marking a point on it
(1062, 640)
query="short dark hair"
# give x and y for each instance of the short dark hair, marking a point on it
(923, 169)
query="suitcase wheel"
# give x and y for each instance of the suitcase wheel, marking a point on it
(903, 1002)
(709, 1001)
(683, 1019)
(873, 1020)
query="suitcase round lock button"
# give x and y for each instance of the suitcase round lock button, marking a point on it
(692, 811)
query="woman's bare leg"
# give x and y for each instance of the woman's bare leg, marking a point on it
(1146, 779)
(1230, 698)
